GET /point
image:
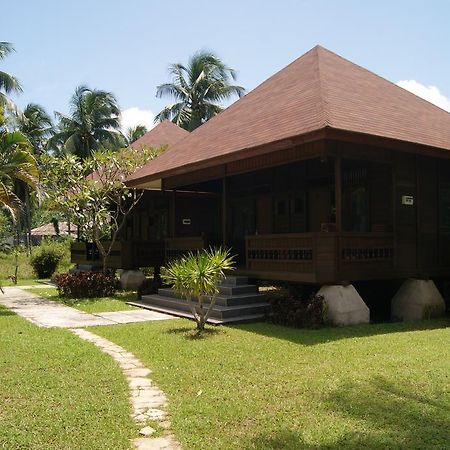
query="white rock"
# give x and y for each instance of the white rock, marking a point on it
(131, 279)
(416, 300)
(344, 305)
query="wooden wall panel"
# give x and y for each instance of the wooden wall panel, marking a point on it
(405, 215)
(427, 208)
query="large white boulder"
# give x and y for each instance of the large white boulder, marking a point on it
(130, 280)
(344, 305)
(416, 300)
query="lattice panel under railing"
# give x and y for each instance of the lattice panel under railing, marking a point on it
(284, 254)
(362, 254)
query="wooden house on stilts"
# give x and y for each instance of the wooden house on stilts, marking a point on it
(325, 174)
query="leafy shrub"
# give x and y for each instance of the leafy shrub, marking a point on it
(291, 309)
(45, 260)
(86, 284)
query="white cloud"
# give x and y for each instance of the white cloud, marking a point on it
(429, 93)
(135, 116)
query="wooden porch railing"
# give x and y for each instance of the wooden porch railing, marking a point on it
(320, 257)
(124, 254)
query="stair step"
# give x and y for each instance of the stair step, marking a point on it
(218, 311)
(237, 289)
(237, 301)
(234, 281)
(188, 315)
(221, 299)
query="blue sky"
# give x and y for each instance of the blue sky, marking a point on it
(126, 46)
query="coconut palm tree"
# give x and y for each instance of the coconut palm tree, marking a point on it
(134, 133)
(8, 83)
(198, 89)
(37, 125)
(92, 123)
(17, 166)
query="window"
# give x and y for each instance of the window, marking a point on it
(355, 196)
(281, 209)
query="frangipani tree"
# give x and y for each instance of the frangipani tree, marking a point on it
(196, 276)
(92, 192)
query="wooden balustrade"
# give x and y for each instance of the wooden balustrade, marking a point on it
(124, 254)
(280, 252)
(367, 247)
(302, 257)
(320, 257)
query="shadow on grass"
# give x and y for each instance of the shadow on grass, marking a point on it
(329, 334)
(6, 312)
(192, 333)
(387, 415)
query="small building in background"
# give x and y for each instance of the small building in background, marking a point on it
(51, 230)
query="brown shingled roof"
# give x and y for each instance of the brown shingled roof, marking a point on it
(165, 133)
(318, 90)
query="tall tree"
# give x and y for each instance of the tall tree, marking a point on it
(37, 125)
(93, 123)
(134, 133)
(8, 83)
(198, 89)
(100, 203)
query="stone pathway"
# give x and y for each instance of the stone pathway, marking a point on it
(47, 313)
(148, 402)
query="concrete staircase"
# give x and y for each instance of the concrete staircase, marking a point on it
(237, 301)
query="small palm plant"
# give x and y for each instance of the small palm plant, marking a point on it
(196, 277)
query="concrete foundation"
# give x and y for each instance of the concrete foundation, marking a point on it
(130, 280)
(344, 305)
(416, 300)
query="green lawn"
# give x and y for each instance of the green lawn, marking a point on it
(90, 305)
(262, 386)
(59, 392)
(25, 273)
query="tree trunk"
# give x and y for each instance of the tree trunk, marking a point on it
(28, 219)
(202, 315)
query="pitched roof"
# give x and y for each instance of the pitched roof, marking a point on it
(165, 133)
(48, 229)
(318, 90)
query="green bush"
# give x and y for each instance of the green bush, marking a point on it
(86, 285)
(45, 262)
(46, 258)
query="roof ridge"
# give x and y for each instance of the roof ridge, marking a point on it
(322, 91)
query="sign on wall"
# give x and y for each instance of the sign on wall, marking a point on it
(407, 200)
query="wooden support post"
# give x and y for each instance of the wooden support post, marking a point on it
(338, 192)
(173, 214)
(224, 211)
(338, 206)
